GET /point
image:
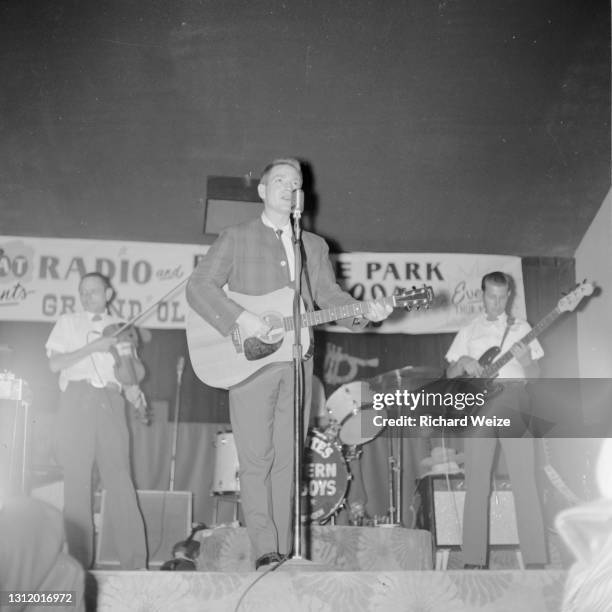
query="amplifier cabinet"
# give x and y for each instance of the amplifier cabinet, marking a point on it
(442, 511)
(167, 518)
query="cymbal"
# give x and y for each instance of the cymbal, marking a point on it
(408, 377)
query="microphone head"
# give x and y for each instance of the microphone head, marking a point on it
(297, 201)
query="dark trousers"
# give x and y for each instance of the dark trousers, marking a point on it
(261, 413)
(93, 428)
(519, 453)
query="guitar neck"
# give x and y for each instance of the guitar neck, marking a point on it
(319, 317)
(493, 368)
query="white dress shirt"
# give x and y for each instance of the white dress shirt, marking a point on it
(481, 334)
(73, 331)
(287, 239)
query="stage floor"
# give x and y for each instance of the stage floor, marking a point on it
(291, 590)
(355, 569)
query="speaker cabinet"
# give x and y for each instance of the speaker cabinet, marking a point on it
(167, 518)
(442, 512)
(13, 442)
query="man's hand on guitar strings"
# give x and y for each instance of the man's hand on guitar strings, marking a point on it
(251, 325)
(470, 366)
(378, 312)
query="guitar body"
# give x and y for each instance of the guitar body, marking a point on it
(462, 384)
(488, 386)
(486, 359)
(224, 361)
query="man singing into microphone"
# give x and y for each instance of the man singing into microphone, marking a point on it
(257, 258)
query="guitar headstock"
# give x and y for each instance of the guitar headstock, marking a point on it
(417, 297)
(572, 299)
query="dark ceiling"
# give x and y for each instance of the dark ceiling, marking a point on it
(428, 125)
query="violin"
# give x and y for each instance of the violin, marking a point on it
(129, 370)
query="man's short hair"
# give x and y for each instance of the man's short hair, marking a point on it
(496, 278)
(105, 280)
(283, 161)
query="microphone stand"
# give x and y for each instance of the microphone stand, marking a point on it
(298, 398)
(180, 366)
(295, 558)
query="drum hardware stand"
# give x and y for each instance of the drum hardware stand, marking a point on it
(394, 483)
(356, 509)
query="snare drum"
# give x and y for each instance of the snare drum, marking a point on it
(326, 478)
(346, 406)
(226, 479)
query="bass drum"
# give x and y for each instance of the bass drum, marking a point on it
(325, 478)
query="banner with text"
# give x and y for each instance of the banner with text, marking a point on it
(455, 280)
(39, 281)
(39, 277)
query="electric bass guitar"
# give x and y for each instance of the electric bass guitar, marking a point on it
(485, 382)
(224, 361)
(566, 304)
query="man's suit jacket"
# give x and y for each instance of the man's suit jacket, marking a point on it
(251, 259)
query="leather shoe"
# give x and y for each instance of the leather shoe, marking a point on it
(474, 566)
(267, 559)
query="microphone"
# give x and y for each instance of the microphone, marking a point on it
(297, 202)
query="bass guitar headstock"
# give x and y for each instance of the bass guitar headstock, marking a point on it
(572, 299)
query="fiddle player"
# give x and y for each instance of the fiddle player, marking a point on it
(256, 258)
(92, 427)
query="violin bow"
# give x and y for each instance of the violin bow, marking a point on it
(146, 311)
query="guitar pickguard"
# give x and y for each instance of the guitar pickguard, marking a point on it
(488, 356)
(255, 349)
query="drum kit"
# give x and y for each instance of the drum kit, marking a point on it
(332, 456)
(331, 465)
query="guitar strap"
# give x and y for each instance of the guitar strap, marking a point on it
(509, 324)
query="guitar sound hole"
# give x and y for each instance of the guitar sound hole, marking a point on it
(255, 349)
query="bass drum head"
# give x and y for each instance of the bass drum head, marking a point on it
(325, 478)
(347, 406)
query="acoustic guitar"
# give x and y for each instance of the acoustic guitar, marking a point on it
(223, 361)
